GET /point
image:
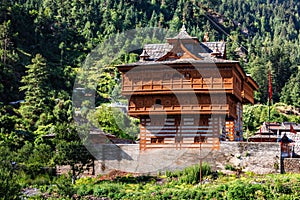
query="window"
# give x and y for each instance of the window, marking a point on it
(187, 76)
(178, 139)
(168, 103)
(158, 101)
(157, 140)
(200, 139)
(140, 103)
(177, 76)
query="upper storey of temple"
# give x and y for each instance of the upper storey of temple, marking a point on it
(185, 62)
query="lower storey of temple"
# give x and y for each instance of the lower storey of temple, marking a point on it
(187, 131)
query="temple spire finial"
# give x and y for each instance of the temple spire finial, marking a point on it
(183, 28)
(183, 24)
(206, 37)
(216, 53)
(144, 56)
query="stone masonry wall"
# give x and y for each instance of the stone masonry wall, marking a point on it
(291, 165)
(259, 158)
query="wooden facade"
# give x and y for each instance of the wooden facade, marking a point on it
(185, 92)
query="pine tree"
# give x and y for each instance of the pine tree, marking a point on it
(36, 85)
(291, 91)
(9, 181)
(70, 149)
(9, 68)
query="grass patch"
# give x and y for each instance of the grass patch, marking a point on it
(182, 185)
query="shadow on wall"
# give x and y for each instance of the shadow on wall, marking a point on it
(108, 152)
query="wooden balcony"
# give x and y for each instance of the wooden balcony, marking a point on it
(248, 96)
(203, 85)
(180, 109)
(184, 142)
(213, 146)
(248, 93)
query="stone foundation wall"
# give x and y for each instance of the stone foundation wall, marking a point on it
(260, 158)
(291, 165)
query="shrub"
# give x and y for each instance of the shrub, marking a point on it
(174, 174)
(218, 192)
(276, 165)
(86, 181)
(230, 167)
(84, 190)
(9, 186)
(100, 190)
(241, 190)
(191, 175)
(236, 191)
(41, 180)
(65, 186)
(281, 188)
(247, 154)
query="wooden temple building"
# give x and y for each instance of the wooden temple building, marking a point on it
(186, 93)
(274, 131)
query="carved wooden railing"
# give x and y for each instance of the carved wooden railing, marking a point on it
(181, 84)
(181, 109)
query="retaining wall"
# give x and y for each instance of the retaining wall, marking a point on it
(291, 165)
(260, 158)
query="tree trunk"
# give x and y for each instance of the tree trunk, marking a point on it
(93, 172)
(73, 175)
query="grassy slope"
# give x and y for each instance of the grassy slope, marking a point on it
(246, 186)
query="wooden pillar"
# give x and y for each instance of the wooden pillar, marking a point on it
(143, 134)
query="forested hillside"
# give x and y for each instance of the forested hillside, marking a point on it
(42, 41)
(64, 32)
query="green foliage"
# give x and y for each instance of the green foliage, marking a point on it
(64, 33)
(35, 163)
(36, 87)
(191, 175)
(108, 82)
(85, 190)
(107, 190)
(113, 120)
(8, 119)
(42, 180)
(291, 92)
(64, 186)
(230, 167)
(39, 159)
(245, 191)
(254, 116)
(9, 61)
(250, 186)
(100, 191)
(58, 36)
(70, 149)
(279, 187)
(9, 186)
